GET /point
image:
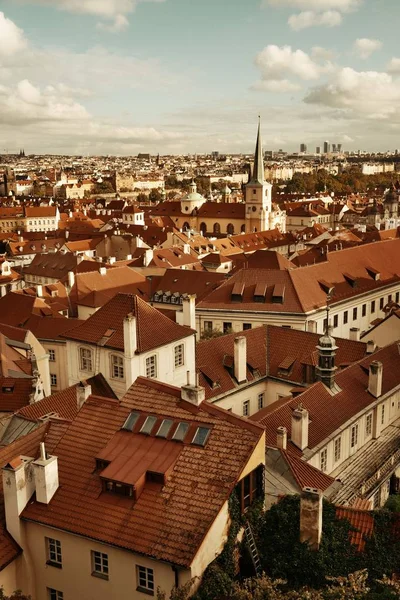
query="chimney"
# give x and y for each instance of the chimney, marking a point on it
(71, 279)
(371, 346)
(46, 476)
(375, 378)
(39, 291)
(102, 270)
(111, 260)
(311, 517)
(189, 311)
(18, 487)
(240, 359)
(129, 257)
(83, 391)
(148, 257)
(355, 334)
(186, 248)
(281, 438)
(195, 394)
(130, 347)
(300, 427)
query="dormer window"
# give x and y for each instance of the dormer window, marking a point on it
(121, 489)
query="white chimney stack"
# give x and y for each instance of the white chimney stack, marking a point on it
(300, 423)
(18, 488)
(83, 391)
(281, 438)
(46, 476)
(240, 359)
(189, 312)
(39, 291)
(102, 270)
(195, 394)
(130, 347)
(355, 334)
(371, 346)
(148, 257)
(375, 378)
(71, 279)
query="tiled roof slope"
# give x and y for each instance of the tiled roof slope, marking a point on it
(362, 524)
(210, 355)
(167, 524)
(299, 349)
(328, 412)
(188, 282)
(153, 328)
(303, 291)
(306, 475)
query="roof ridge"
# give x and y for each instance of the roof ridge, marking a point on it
(252, 426)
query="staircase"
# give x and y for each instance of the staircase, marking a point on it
(251, 544)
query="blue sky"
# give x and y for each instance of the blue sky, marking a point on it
(177, 76)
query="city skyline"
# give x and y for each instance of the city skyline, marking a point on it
(119, 77)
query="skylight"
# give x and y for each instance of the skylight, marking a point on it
(180, 431)
(131, 421)
(148, 425)
(201, 436)
(164, 428)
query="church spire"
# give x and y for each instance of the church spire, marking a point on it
(326, 369)
(258, 169)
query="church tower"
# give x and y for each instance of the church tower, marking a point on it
(258, 193)
(326, 369)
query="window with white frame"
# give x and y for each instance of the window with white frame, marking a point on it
(117, 366)
(382, 414)
(100, 564)
(179, 352)
(52, 355)
(53, 379)
(338, 449)
(53, 594)
(85, 359)
(354, 436)
(323, 459)
(151, 366)
(145, 580)
(368, 424)
(246, 408)
(53, 552)
(260, 401)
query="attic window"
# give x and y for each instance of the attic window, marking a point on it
(373, 273)
(153, 477)
(259, 292)
(101, 464)
(164, 428)
(118, 488)
(350, 279)
(131, 421)
(326, 287)
(237, 292)
(148, 425)
(278, 293)
(7, 389)
(201, 436)
(180, 432)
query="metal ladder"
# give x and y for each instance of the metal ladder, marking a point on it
(251, 544)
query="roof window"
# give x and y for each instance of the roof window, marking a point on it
(180, 431)
(148, 425)
(201, 436)
(131, 421)
(164, 428)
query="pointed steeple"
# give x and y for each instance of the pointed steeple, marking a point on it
(326, 368)
(258, 169)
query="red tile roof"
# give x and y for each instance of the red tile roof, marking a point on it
(153, 328)
(362, 524)
(167, 524)
(306, 475)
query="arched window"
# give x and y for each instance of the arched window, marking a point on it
(243, 229)
(230, 229)
(186, 226)
(217, 228)
(203, 228)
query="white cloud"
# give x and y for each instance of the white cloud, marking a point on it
(347, 139)
(394, 66)
(316, 5)
(309, 18)
(115, 11)
(370, 94)
(320, 53)
(275, 85)
(276, 62)
(12, 38)
(364, 47)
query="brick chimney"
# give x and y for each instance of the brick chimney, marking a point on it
(240, 359)
(375, 378)
(281, 438)
(83, 391)
(300, 422)
(195, 394)
(311, 517)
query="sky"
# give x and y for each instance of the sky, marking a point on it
(183, 76)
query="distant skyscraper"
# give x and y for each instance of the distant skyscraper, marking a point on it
(327, 147)
(303, 148)
(339, 147)
(318, 150)
(334, 148)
